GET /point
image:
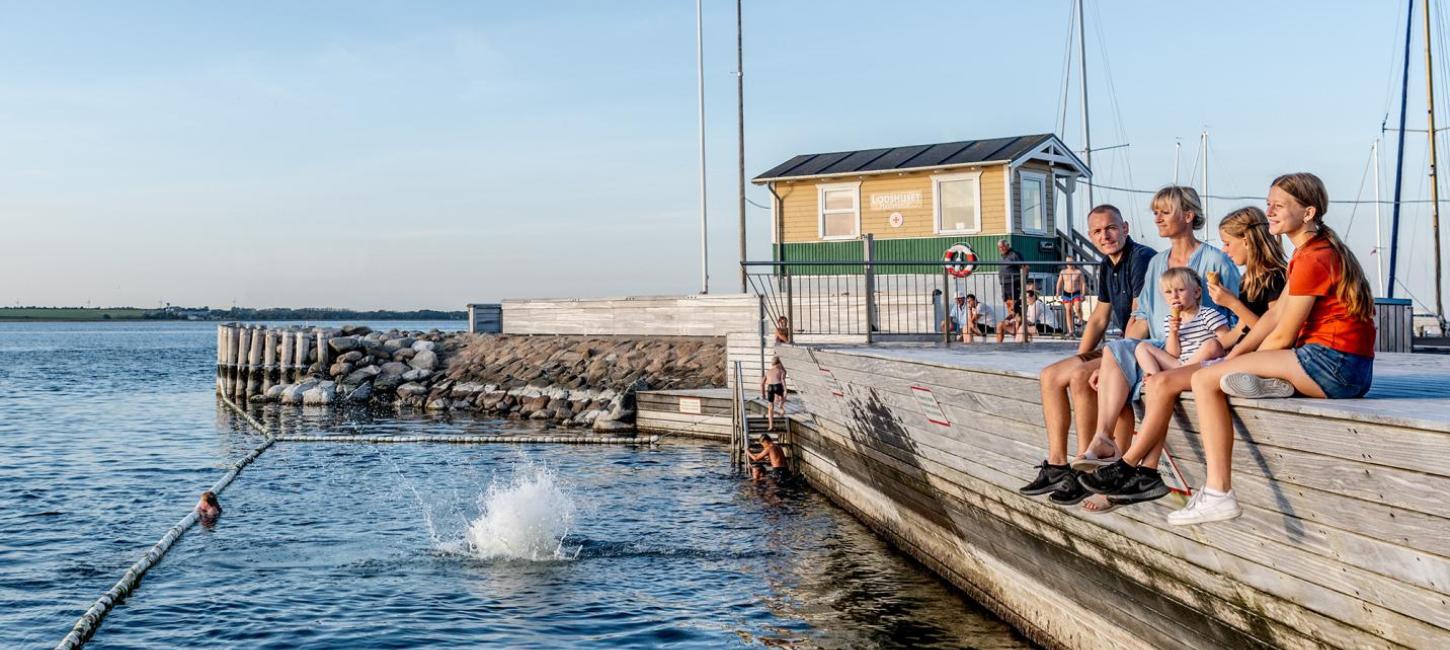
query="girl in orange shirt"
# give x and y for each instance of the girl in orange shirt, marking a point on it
(1317, 341)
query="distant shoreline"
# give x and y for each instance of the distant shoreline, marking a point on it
(132, 315)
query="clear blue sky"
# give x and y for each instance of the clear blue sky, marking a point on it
(411, 154)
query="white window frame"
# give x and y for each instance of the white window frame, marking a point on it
(1023, 177)
(821, 209)
(936, 212)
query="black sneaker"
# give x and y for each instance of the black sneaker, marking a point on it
(1108, 479)
(1049, 478)
(1146, 484)
(1070, 493)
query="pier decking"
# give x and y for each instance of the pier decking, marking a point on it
(1343, 541)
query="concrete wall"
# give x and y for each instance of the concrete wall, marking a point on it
(708, 315)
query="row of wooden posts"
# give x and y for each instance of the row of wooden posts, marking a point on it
(252, 358)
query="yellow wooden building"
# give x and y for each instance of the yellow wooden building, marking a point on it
(918, 201)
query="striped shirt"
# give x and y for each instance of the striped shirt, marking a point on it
(1196, 330)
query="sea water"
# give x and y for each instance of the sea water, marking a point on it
(109, 431)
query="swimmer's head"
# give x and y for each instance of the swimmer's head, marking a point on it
(765, 439)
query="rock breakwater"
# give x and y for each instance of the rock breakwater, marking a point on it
(573, 381)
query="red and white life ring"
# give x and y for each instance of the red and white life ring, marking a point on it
(960, 260)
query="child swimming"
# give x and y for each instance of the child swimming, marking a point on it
(1194, 330)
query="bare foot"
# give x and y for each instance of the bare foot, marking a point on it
(1098, 504)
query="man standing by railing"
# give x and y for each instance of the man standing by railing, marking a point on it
(1120, 280)
(1011, 276)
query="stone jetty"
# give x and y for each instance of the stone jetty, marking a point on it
(573, 381)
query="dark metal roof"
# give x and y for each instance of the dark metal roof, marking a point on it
(866, 161)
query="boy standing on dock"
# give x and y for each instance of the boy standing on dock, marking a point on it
(772, 388)
(1120, 280)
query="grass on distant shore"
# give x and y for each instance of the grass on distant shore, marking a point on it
(68, 314)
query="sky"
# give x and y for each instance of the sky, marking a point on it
(404, 155)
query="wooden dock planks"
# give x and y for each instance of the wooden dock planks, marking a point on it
(1341, 544)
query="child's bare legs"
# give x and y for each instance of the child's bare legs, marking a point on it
(770, 414)
(1210, 350)
(1153, 359)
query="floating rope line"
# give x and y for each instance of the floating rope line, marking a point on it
(87, 624)
(472, 439)
(90, 621)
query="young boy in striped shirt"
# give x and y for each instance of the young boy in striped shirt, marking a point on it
(1194, 330)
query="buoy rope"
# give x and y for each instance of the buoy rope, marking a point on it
(87, 624)
(475, 439)
(90, 621)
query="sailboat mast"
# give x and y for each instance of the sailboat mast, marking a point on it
(1400, 157)
(1087, 136)
(1434, 181)
(1379, 267)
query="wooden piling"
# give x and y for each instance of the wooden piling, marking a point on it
(239, 361)
(254, 362)
(299, 363)
(285, 369)
(322, 337)
(269, 359)
(220, 349)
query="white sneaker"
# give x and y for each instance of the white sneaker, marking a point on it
(1243, 384)
(1203, 508)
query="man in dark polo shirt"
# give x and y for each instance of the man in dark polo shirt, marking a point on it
(1120, 280)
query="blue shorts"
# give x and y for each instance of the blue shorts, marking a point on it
(1340, 375)
(1124, 352)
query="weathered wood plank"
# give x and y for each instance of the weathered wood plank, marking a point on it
(1247, 540)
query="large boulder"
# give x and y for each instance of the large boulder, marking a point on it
(343, 344)
(403, 354)
(612, 427)
(412, 389)
(416, 375)
(350, 357)
(424, 360)
(320, 395)
(361, 394)
(293, 394)
(420, 346)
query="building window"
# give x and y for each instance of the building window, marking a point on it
(1034, 202)
(840, 211)
(957, 203)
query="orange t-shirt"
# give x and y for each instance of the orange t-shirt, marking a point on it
(1315, 271)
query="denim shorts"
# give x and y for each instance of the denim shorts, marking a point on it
(1124, 352)
(1340, 375)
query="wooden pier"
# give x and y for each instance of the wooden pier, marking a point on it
(1344, 541)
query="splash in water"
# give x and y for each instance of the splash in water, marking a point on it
(526, 518)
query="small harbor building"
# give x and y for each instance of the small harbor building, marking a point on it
(918, 201)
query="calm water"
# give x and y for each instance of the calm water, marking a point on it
(109, 431)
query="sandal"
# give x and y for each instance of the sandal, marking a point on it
(1090, 462)
(1099, 504)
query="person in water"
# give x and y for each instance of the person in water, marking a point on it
(208, 507)
(769, 461)
(772, 388)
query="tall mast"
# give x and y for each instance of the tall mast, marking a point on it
(1204, 196)
(700, 80)
(740, 124)
(1379, 255)
(1400, 157)
(1434, 181)
(1087, 136)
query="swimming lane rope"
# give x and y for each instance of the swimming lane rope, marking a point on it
(473, 439)
(87, 624)
(90, 621)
